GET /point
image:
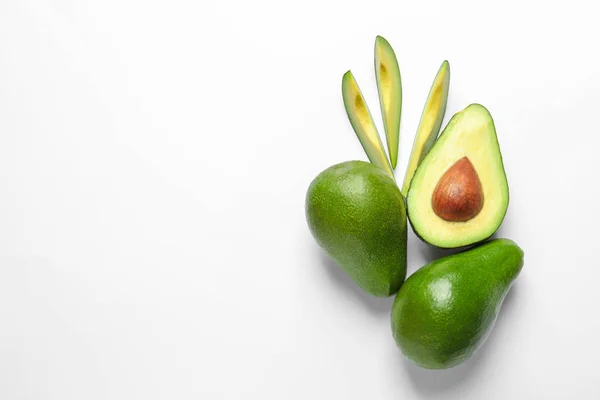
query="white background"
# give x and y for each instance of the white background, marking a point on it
(154, 157)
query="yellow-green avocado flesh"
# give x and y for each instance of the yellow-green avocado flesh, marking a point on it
(389, 87)
(362, 123)
(470, 133)
(430, 123)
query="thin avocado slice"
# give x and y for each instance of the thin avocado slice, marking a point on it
(459, 194)
(362, 122)
(430, 124)
(389, 87)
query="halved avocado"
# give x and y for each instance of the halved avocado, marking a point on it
(430, 124)
(459, 194)
(362, 122)
(389, 87)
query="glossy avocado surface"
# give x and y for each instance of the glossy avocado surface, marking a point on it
(445, 311)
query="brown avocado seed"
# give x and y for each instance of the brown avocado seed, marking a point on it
(458, 196)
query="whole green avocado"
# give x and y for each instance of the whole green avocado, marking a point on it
(356, 213)
(445, 311)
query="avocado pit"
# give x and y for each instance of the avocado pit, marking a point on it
(458, 196)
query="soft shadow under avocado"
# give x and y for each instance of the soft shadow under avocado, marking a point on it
(376, 305)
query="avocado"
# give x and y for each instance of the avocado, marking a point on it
(356, 213)
(430, 124)
(362, 122)
(446, 310)
(389, 87)
(459, 194)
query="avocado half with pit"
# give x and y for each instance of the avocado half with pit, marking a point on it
(459, 194)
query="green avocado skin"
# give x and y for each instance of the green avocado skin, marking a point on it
(356, 213)
(445, 311)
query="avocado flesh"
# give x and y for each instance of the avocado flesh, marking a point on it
(362, 123)
(430, 123)
(470, 133)
(356, 213)
(389, 87)
(445, 311)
